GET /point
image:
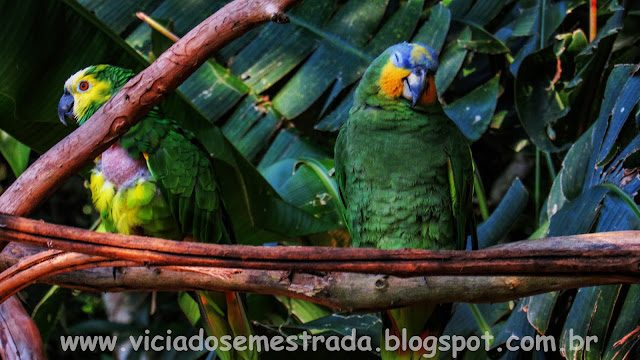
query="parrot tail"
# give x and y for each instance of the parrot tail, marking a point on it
(223, 314)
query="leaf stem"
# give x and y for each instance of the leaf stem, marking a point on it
(593, 20)
(157, 26)
(482, 323)
(543, 8)
(482, 199)
(552, 170)
(536, 190)
(625, 197)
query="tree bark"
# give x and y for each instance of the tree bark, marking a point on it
(615, 253)
(346, 278)
(346, 291)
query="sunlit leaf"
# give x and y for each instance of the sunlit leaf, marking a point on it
(289, 145)
(189, 307)
(279, 48)
(575, 165)
(362, 324)
(15, 152)
(251, 126)
(578, 216)
(628, 98)
(303, 310)
(309, 188)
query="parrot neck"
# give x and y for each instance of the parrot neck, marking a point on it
(120, 168)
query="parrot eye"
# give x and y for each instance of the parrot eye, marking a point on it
(396, 58)
(83, 86)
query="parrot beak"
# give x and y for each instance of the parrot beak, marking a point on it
(415, 85)
(65, 107)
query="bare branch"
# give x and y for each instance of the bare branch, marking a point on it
(20, 336)
(355, 292)
(579, 255)
(344, 278)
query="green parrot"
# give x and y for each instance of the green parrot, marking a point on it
(405, 174)
(159, 181)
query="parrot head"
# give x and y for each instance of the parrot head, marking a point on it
(88, 89)
(404, 71)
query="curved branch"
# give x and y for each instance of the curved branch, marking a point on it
(578, 255)
(348, 291)
(338, 277)
(30, 269)
(20, 336)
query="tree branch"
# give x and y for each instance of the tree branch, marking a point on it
(579, 255)
(351, 278)
(348, 291)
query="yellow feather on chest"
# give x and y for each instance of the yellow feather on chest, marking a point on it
(102, 193)
(123, 210)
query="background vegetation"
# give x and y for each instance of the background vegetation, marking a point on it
(539, 101)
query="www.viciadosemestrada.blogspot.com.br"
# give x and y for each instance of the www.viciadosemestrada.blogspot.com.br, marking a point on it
(428, 346)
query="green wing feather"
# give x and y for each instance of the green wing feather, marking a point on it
(341, 177)
(460, 167)
(185, 174)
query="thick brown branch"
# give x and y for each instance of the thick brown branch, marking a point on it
(19, 336)
(580, 255)
(312, 273)
(46, 263)
(361, 292)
